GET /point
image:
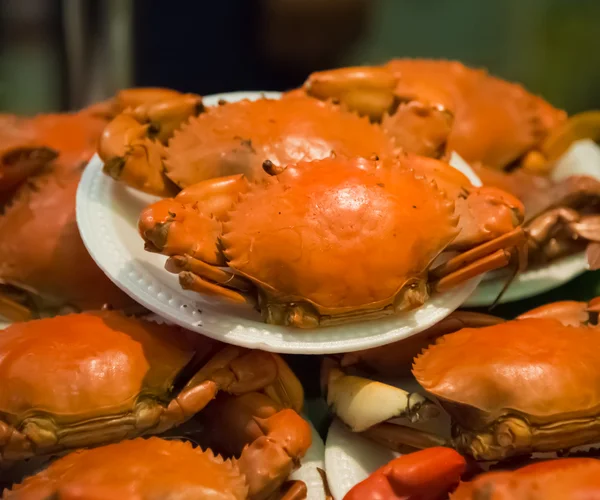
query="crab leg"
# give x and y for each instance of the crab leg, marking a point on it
(544, 228)
(235, 371)
(190, 281)
(479, 260)
(426, 474)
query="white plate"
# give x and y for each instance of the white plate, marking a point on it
(313, 460)
(107, 214)
(529, 283)
(582, 158)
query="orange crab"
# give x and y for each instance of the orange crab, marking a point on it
(88, 379)
(159, 468)
(164, 145)
(41, 160)
(424, 475)
(522, 386)
(434, 106)
(562, 479)
(308, 244)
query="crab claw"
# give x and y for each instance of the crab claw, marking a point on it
(132, 145)
(424, 475)
(362, 403)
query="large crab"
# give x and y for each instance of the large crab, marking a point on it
(333, 240)
(514, 388)
(434, 473)
(434, 106)
(158, 468)
(41, 160)
(87, 379)
(163, 145)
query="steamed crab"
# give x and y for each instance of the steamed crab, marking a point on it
(41, 160)
(514, 388)
(158, 468)
(87, 379)
(434, 106)
(434, 473)
(165, 144)
(333, 240)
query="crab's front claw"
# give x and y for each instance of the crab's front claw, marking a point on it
(130, 156)
(486, 213)
(362, 403)
(270, 459)
(367, 90)
(424, 475)
(420, 128)
(174, 228)
(132, 144)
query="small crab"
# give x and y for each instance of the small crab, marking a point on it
(423, 475)
(159, 468)
(434, 106)
(163, 145)
(333, 240)
(514, 388)
(87, 379)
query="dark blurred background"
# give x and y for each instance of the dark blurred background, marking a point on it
(63, 54)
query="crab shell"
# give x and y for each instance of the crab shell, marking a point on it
(238, 137)
(522, 386)
(27, 145)
(567, 478)
(139, 469)
(339, 235)
(85, 379)
(495, 122)
(41, 250)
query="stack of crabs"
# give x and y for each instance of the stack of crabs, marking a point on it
(330, 205)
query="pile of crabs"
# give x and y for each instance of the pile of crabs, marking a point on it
(333, 204)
